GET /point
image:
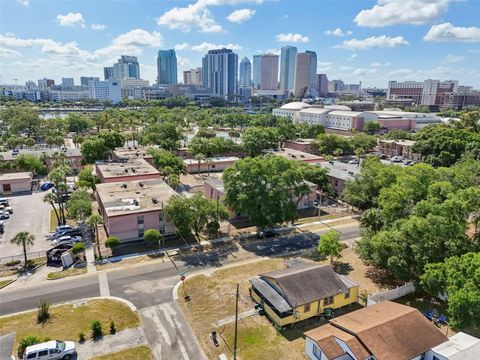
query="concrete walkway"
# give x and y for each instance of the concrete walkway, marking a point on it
(231, 319)
(122, 340)
(90, 255)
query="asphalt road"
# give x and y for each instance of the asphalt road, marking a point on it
(149, 286)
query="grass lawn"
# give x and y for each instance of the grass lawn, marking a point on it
(137, 353)
(53, 221)
(68, 321)
(70, 272)
(4, 283)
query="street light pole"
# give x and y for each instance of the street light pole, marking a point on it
(236, 323)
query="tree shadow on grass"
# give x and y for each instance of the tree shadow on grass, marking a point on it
(342, 268)
(211, 256)
(382, 277)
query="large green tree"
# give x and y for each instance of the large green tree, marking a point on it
(256, 139)
(330, 245)
(167, 162)
(327, 144)
(264, 189)
(457, 277)
(167, 135)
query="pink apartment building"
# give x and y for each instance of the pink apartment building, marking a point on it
(212, 164)
(119, 171)
(131, 208)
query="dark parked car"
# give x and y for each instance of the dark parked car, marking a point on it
(46, 186)
(4, 215)
(67, 232)
(266, 234)
(2, 227)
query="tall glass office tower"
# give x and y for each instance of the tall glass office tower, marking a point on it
(166, 67)
(245, 73)
(287, 67)
(219, 72)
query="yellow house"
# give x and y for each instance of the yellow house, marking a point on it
(301, 292)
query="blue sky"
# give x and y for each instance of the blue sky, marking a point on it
(358, 40)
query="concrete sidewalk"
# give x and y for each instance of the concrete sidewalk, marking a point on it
(125, 339)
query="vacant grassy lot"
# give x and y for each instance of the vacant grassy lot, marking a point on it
(4, 283)
(137, 353)
(64, 273)
(212, 298)
(68, 321)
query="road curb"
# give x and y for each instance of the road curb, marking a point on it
(114, 298)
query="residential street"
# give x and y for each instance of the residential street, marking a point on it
(149, 287)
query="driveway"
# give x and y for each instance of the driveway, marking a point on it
(30, 214)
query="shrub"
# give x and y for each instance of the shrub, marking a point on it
(113, 329)
(111, 242)
(81, 337)
(78, 248)
(43, 314)
(97, 331)
(13, 262)
(25, 342)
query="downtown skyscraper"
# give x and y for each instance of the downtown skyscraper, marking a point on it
(219, 72)
(287, 67)
(125, 67)
(245, 79)
(312, 87)
(265, 72)
(166, 67)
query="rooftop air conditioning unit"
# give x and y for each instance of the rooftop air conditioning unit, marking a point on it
(133, 170)
(154, 200)
(141, 184)
(124, 186)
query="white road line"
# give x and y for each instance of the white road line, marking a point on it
(102, 280)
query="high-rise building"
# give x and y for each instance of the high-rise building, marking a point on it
(166, 67)
(257, 64)
(245, 79)
(303, 66)
(429, 92)
(287, 67)
(126, 67)
(68, 82)
(219, 72)
(322, 85)
(265, 72)
(313, 72)
(107, 73)
(44, 84)
(193, 76)
(85, 79)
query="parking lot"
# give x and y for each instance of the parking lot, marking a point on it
(30, 214)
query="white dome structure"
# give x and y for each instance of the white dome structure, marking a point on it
(295, 105)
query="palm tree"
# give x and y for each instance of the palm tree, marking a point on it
(199, 158)
(94, 220)
(209, 163)
(24, 239)
(50, 198)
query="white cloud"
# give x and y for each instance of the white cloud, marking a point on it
(338, 32)
(184, 62)
(292, 38)
(98, 27)
(71, 19)
(131, 43)
(373, 42)
(24, 2)
(197, 16)
(241, 15)
(378, 64)
(352, 57)
(450, 59)
(324, 66)
(9, 53)
(448, 32)
(206, 46)
(182, 46)
(391, 12)
(273, 51)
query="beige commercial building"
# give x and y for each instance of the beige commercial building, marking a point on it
(15, 183)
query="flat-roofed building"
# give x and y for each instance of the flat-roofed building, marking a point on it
(15, 183)
(398, 148)
(48, 155)
(129, 153)
(304, 145)
(293, 154)
(212, 164)
(118, 171)
(130, 208)
(391, 119)
(339, 173)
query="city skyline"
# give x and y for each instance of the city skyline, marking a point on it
(365, 41)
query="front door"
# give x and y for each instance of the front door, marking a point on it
(7, 187)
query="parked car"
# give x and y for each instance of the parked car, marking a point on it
(354, 161)
(2, 227)
(46, 186)
(67, 232)
(4, 215)
(63, 228)
(54, 349)
(266, 234)
(396, 159)
(4, 201)
(409, 162)
(68, 239)
(6, 208)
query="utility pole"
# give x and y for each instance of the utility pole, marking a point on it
(236, 323)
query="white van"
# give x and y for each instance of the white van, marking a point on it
(50, 350)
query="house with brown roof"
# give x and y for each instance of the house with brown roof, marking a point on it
(382, 331)
(301, 291)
